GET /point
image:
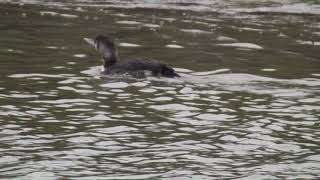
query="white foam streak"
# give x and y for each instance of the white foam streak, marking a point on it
(40, 75)
(242, 45)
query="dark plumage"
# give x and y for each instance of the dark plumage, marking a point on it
(135, 67)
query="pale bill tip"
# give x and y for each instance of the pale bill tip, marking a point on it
(90, 41)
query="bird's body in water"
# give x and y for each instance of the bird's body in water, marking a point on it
(135, 67)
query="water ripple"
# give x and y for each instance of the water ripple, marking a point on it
(235, 113)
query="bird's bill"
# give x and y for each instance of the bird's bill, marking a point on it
(90, 41)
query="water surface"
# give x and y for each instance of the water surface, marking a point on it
(247, 105)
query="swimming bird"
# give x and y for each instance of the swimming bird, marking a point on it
(136, 67)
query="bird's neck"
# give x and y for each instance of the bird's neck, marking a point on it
(111, 60)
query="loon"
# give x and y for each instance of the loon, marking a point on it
(136, 67)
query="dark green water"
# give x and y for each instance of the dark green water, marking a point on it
(247, 105)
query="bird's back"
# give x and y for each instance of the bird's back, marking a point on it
(141, 65)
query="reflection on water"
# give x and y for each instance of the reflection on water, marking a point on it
(246, 107)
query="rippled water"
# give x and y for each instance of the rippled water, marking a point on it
(246, 107)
